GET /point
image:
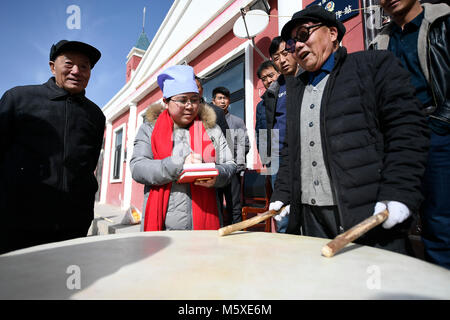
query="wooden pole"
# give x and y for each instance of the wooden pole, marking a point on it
(143, 20)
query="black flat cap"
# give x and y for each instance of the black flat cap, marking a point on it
(314, 13)
(64, 45)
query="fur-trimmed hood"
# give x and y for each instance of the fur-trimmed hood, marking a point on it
(205, 112)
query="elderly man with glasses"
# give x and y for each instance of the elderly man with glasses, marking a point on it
(357, 140)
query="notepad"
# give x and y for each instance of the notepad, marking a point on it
(203, 165)
(197, 171)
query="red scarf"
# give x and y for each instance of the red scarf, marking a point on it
(204, 205)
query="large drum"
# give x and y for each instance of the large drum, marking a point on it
(186, 265)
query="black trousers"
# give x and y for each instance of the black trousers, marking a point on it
(42, 225)
(232, 193)
(15, 239)
(324, 222)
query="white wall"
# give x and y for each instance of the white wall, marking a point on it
(286, 8)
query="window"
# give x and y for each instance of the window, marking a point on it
(231, 76)
(118, 154)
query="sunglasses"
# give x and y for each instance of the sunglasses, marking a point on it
(302, 35)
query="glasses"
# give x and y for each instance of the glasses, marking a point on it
(270, 75)
(183, 102)
(302, 35)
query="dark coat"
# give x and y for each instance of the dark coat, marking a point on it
(265, 119)
(220, 119)
(433, 47)
(374, 137)
(49, 146)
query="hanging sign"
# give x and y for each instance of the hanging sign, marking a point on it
(344, 9)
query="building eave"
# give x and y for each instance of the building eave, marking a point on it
(135, 52)
(153, 61)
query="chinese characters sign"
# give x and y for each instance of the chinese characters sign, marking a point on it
(344, 9)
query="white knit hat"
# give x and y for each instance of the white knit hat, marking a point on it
(177, 79)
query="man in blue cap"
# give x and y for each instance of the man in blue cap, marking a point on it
(357, 140)
(50, 140)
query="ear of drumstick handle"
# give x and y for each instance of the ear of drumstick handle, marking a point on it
(352, 234)
(249, 222)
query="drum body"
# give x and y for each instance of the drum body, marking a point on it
(201, 265)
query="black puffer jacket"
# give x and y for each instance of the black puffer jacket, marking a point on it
(374, 137)
(49, 147)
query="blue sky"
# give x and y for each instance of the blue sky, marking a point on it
(28, 28)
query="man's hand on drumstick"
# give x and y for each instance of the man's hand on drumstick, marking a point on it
(398, 212)
(277, 206)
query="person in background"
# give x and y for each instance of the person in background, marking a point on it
(275, 110)
(240, 146)
(267, 72)
(220, 115)
(357, 139)
(50, 140)
(184, 132)
(419, 35)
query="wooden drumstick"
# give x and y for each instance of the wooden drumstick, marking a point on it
(249, 222)
(350, 235)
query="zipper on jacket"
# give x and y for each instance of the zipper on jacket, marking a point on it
(429, 67)
(63, 168)
(332, 175)
(325, 147)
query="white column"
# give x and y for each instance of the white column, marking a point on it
(249, 101)
(106, 160)
(286, 8)
(131, 134)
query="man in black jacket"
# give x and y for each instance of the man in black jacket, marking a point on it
(357, 140)
(275, 110)
(220, 115)
(419, 37)
(238, 142)
(267, 72)
(50, 140)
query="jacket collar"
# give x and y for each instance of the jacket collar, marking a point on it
(274, 87)
(339, 55)
(414, 23)
(55, 92)
(435, 11)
